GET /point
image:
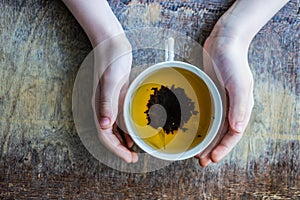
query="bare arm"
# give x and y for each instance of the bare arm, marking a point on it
(96, 18)
(245, 18)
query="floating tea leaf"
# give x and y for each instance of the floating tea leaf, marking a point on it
(174, 102)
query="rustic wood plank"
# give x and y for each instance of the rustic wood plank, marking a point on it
(41, 156)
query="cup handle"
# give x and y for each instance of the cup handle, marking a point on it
(169, 49)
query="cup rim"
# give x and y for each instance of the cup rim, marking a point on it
(217, 112)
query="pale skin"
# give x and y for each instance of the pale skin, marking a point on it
(227, 45)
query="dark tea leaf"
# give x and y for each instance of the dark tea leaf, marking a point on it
(174, 103)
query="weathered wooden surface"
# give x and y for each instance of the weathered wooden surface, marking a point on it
(41, 155)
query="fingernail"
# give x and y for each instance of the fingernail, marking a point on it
(104, 122)
(239, 126)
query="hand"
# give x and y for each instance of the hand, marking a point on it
(228, 46)
(229, 60)
(112, 53)
(112, 66)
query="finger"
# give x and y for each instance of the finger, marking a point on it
(119, 134)
(226, 145)
(120, 121)
(114, 145)
(123, 137)
(204, 161)
(205, 156)
(129, 140)
(240, 92)
(229, 141)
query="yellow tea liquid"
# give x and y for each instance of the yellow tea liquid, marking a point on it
(192, 132)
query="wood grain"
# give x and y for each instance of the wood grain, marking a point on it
(42, 157)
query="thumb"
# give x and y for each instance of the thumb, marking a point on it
(111, 83)
(112, 64)
(108, 108)
(110, 89)
(241, 102)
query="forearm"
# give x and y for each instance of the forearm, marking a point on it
(96, 18)
(245, 18)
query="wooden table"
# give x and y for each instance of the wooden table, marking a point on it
(41, 155)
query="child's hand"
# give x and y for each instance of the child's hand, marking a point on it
(229, 55)
(112, 53)
(113, 60)
(112, 65)
(228, 46)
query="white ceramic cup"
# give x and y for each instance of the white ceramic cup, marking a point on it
(216, 101)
